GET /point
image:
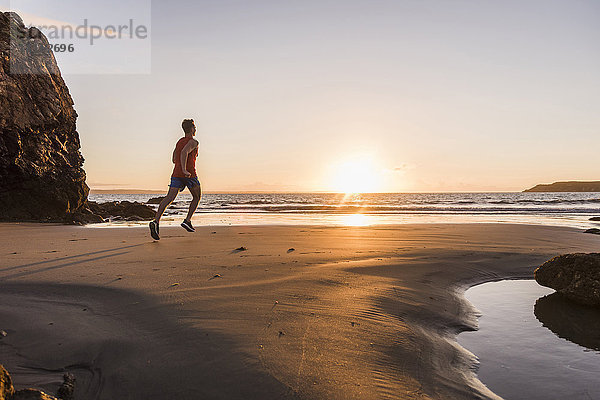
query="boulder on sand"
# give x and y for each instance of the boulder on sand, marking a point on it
(155, 200)
(576, 276)
(122, 210)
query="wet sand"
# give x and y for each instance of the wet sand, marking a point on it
(350, 313)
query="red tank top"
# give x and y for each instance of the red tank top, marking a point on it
(191, 159)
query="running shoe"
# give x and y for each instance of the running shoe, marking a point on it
(187, 225)
(154, 230)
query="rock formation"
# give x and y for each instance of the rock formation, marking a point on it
(67, 389)
(6, 387)
(576, 276)
(122, 210)
(31, 394)
(7, 391)
(155, 200)
(41, 174)
(41, 167)
(572, 186)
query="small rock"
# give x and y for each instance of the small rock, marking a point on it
(155, 200)
(595, 219)
(242, 248)
(3, 334)
(65, 391)
(595, 231)
(216, 276)
(174, 284)
(291, 249)
(281, 333)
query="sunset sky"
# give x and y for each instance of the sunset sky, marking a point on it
(415, 96)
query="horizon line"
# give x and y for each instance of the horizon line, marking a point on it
(162, 191)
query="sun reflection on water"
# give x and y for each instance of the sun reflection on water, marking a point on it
(356, 220)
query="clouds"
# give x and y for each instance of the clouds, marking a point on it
(404, 167)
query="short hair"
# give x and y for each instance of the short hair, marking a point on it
(187, 125)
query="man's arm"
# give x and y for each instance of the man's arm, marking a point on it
(189, 147)
(174, 155)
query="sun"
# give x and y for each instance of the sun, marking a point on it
(356, 175)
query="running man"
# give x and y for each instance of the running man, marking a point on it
(184, 175)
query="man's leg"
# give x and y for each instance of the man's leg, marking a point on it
(196, 195)
(171, 195)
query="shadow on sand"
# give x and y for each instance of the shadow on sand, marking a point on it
(120, 344)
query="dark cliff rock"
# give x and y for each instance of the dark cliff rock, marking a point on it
(572, 186)
(575, 276)
(41, 174)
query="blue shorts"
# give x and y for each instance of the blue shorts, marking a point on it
(182, 183)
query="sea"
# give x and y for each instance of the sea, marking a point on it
(561, 209)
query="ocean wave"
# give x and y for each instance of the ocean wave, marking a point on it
(433, 203)
(399, 210)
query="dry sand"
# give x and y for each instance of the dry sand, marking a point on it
(351, 313)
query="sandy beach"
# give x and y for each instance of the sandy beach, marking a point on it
(305, 312)
(352, 169)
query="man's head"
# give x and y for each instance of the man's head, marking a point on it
(188, 127)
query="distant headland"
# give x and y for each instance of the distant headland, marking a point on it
(571, 186)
